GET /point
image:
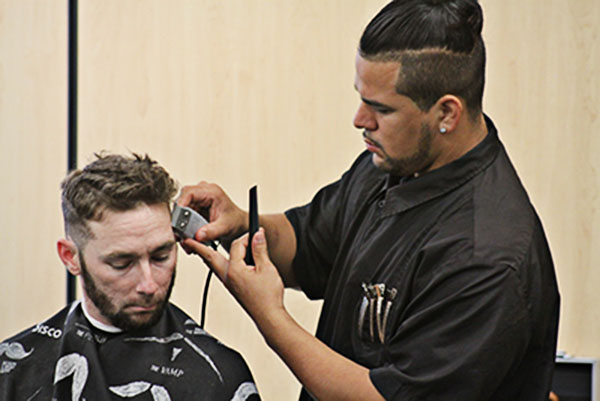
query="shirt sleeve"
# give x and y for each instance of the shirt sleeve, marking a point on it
(317, 240)
(319, 228)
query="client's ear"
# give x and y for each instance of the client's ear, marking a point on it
(68, 253)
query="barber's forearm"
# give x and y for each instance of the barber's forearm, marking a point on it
(282, 245)
(326, 374)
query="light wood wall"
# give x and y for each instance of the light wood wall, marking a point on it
(244, 92)
(33, 115)
(543, 91)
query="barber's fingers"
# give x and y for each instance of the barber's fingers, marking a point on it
(259, 250)
(206, 198)
(186, 196)
(237, 253)
(226, 219)
(212, 231)
(186, 248)
(200, 195)
(217, 262)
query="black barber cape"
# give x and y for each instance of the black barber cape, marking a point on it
(67, 358)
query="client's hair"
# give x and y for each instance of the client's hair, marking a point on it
(112, 182)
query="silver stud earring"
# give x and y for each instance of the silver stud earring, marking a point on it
(443, 130)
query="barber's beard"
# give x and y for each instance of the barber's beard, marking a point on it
(408, 165)
(116, 315)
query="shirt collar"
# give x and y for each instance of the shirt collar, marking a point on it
(415, 191)
(98, 324)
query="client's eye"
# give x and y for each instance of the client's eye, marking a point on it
(120, 265)
(162, 257)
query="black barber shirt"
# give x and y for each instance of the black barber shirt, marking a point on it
(67, 359)
(442, 285)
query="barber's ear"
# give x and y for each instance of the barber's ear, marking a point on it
(68, 253)
(450, 109)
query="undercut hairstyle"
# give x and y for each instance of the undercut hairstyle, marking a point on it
(115, 183)
(439, 47)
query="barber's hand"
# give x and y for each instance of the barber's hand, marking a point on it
(259, 289)
(226, 220)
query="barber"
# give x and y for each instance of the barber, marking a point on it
(436, 276)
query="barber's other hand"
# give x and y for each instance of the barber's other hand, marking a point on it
(226, 220)
(259, 288)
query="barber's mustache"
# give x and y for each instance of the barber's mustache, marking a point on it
(367, 135)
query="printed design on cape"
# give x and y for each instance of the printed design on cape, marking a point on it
(175, 337)
(32, 397)
(84, 332)
(244, 391)
(75, 365)
(133, 389)
(195, 330)
(153, 339)
(14, 351)
(205, 356)
(176, 352)
(7, 367)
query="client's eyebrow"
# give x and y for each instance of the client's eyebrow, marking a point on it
(117, 255)
(167, 246)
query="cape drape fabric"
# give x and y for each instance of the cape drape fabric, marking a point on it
(66, 358)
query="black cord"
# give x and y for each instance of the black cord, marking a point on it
(214, 246)
(204, 298)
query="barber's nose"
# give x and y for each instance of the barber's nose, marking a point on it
(146, 284)
(364, 118)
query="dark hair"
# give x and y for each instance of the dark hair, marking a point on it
(438, 45)
(112, 182)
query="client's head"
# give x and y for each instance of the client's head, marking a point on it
(119, 238)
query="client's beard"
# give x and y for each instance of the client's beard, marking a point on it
(118, 317)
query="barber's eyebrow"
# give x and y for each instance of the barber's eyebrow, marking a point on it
(374, 103)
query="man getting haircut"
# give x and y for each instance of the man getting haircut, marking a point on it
(124, 338)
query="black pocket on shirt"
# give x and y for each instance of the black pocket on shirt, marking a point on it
(365, 339)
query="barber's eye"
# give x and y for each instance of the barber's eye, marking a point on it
(383, 110)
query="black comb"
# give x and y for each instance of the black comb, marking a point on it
(252, 224)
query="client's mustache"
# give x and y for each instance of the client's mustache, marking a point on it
(145, 301)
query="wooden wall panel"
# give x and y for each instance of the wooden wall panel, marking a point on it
(543, 91)
(33, 115)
